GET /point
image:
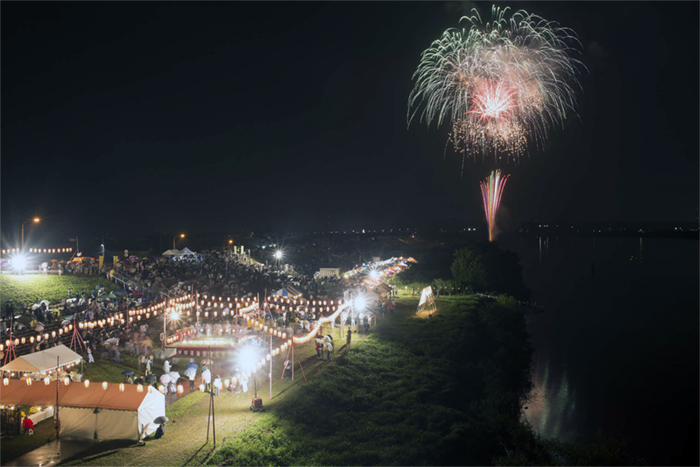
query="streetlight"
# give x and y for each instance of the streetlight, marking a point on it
(175, 238)
(35, 220)
(174, 316)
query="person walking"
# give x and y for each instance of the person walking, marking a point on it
(166, 367)
(349, 340)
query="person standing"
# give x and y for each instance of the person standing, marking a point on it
(142, 362)
(217, 385)
(349, 340)
(329, 349)
(166, 367)
(149, 362)
(319, 348)
(192, 381)
(244, 382)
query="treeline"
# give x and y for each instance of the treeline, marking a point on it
(481, 267)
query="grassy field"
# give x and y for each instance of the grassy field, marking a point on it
(29, 287)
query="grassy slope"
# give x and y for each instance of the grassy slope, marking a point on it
(409, 395)
(53, 288)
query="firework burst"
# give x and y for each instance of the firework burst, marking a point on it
(501, 85)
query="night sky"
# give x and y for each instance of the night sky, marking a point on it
(136, 117)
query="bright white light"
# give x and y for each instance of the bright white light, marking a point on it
(248, 358)
(19, 262)
(278, 254)
(175, 315)
(374, 274)
(360, 302)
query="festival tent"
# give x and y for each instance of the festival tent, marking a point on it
(289, 291)
(43, 361)
(93, 412)
(187, 252)
(383, 289)
(172, 253)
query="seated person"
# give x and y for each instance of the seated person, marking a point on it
(160, 431)
(28, 426)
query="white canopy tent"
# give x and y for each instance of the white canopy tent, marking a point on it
(187, 252)
(43, 361)
(172, 252)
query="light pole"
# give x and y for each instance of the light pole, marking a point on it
(174, 316)
(175, 238)
(35, 220)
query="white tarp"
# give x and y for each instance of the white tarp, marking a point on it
(43, 361)
(187, 252)
(172, 253)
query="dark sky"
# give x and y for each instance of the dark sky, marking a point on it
(137, 116)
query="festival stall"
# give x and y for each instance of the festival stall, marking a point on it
(95, 411)
(44, 361)
(289, 291)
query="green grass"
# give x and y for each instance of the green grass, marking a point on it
(15, 446)
(29, 287)
(417, 392)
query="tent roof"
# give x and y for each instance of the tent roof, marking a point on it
(187, 251)
(383, 288)
(172, 252)
(44, 360)
(77, 395)
(293, 290)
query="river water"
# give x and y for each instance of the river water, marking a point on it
(616, 348)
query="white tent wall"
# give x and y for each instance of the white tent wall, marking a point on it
(117, 424)
(152, 407)
(77, 423)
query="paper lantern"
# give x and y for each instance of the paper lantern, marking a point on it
(180, 389)
(5, 381)
(87, 383)
(66, 380)
(139, 388)
(29, 381)
(47, 381)
(104, 385)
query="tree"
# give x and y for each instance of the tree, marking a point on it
(487, 268)
(468, 269)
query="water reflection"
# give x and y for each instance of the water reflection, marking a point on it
(551, 409)
(615, 332)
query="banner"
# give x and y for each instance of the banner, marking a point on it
(102, 261)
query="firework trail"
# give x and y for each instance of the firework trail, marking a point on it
(491, 192)
(500, 85)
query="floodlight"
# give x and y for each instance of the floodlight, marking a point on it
(19, 262)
